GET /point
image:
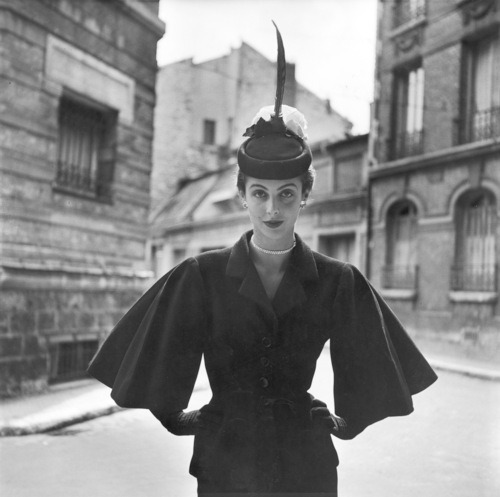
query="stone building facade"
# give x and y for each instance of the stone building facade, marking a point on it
(435, 177)
(206, 212)
(203, 110)
(77, 96)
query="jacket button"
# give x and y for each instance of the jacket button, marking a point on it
(264, 382)
(266, 342)
(265, 361)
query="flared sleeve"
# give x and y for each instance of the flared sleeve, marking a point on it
(377, 367)
(152, 357)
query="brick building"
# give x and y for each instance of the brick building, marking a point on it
(203, 109)
(77, 94)
(206, 213)
(435, 178)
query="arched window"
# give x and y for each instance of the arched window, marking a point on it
(475, 242)
(400, 270)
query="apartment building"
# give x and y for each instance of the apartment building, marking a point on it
(435, 168)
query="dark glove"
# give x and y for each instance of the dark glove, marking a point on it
(337, 426)
(188, 423)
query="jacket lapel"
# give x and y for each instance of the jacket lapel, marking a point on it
(302, 269)
(252, 288)
(241, 267)
(290, 293)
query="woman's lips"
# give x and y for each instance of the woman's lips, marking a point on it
(273, 224)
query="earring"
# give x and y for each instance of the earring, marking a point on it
(303, 203)
(244, 204)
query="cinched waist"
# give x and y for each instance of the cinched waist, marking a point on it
(245, 406)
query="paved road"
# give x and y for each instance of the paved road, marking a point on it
(450, 447)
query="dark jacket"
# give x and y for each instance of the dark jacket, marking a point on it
(260, 358)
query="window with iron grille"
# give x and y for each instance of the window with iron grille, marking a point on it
(86, 149)
(208, 132)
(475, 267)
(400, 270)
(480, 119)
(408, 112)
(69, 360)
(408, 10)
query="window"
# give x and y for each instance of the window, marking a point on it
(156, 259)
(85, 157)
(481, 104)
(348, 174)
(341, 247)
(178, 255)
(407, 11)
(208, 132)
(69, 360)
(475, 246)
(400, 270)
(408, 112)
(324, 177)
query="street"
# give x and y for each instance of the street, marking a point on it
(450, 446)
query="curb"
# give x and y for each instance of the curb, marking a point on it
(480, 373)
(20, 429)
(23, 427)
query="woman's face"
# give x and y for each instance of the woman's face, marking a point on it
(273, 206)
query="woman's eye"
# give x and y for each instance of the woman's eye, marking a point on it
(287, 194)
(259, 193)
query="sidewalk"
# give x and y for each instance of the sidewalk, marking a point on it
(82, 400)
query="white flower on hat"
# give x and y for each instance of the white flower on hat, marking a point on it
(294, 119)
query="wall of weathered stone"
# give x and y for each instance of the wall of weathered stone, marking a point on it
(70, 265)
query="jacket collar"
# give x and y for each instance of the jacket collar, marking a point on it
(302, 268)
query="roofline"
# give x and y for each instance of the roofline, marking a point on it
(350, 139)
(211, 172)
(146, 16)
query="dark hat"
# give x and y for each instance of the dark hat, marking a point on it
(276, 147)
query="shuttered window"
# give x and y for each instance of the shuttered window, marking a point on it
(475, 248)
(208, 132)
(408, 112)
(400, 270)
(408, 10)
(341, 247)
(348, 174)
(482, 91)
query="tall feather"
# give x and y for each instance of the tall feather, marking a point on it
(281, 75)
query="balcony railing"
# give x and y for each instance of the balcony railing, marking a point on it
(407, 10)
(407, 144)
(482, 125)
(474, 277)
(400, 277)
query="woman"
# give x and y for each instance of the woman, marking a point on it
(260, 313)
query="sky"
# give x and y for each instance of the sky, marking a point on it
(331, 42)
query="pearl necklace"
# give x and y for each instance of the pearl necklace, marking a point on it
(272, 252)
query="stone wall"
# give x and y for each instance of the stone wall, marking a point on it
(70, 263)
(35, 320)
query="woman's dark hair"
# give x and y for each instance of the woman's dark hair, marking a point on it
(307, 180)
